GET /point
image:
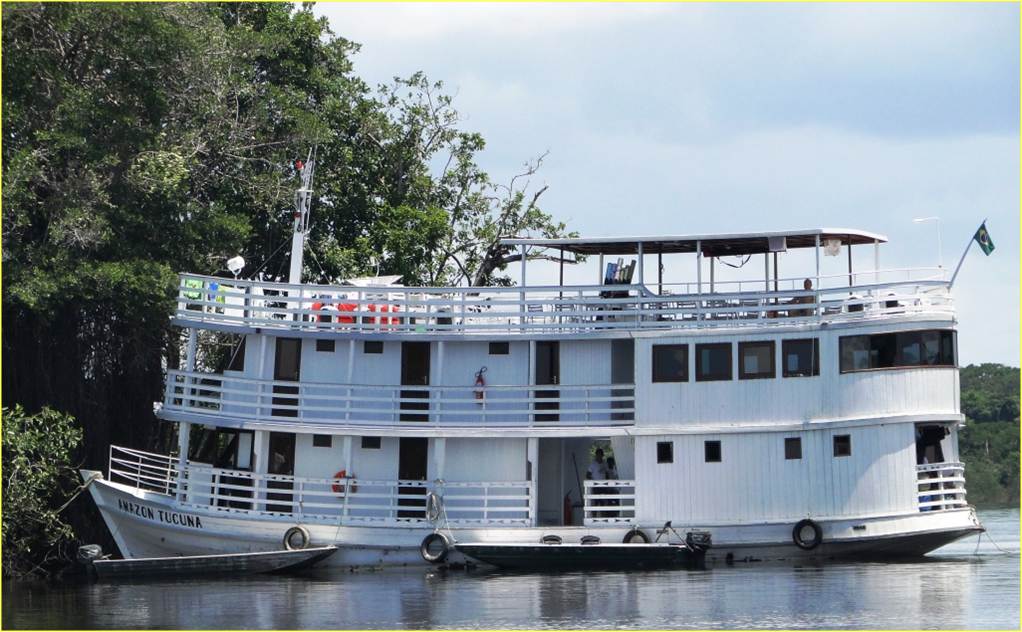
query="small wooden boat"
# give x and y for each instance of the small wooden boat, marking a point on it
(204, 565)
(585, 556)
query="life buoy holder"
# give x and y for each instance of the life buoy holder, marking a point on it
(339, 486)
(429, 548)
(807, 535)
(634, 536)
(296, 538)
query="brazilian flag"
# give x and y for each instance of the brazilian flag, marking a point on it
(982, 238)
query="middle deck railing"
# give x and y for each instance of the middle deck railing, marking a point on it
(321, 403)
(203, 300)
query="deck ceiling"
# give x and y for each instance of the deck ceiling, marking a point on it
(712, 245)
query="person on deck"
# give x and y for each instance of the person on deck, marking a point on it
(597, 472)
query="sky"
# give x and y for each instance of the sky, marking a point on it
(692, 118)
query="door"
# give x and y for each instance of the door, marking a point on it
(415, 372)
(237, 456)
(287, 367)
(413, 456)
(548, 372)
(282, 461)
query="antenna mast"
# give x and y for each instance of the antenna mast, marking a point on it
(303, 198)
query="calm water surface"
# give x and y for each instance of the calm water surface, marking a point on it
(959, 586)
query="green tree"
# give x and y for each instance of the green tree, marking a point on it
(37, 476)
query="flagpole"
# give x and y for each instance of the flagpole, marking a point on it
(962, 260)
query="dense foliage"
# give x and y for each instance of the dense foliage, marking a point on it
(37, 478)
(145, 139)
(989, 443)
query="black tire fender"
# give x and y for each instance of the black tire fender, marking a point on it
(634, 536)
(799, 537)
(428, 544)
(296, 538)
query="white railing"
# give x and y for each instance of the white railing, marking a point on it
(353, 404)
(331, 500)
(565, 309)
(611, 501)
(940, 486)
(143, 470)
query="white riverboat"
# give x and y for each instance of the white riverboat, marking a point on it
(801, 416)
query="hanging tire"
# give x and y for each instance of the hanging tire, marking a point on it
(434, 548)
(635, 536)
(807, 535)
(296, 538)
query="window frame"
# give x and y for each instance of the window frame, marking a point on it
(772, 345)
(365, 445)
(815, 343)
(329, 345)
(792, 441)
(653, 363)
(502, 348)
(730, 361)
(372, 347)
(667, 456)
(319, 438)
(847, 441)
(715, 444)
(886, 350)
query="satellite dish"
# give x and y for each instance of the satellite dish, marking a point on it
(236, 265)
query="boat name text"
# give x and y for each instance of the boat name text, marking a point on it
(168, 517)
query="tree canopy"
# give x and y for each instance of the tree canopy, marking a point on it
(144, 139)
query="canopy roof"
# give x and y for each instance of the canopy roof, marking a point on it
(712, 245)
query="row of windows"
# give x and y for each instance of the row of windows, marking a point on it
(756, 360)
(376, 346)
(327, 441)
(901, 349)
(792, 449)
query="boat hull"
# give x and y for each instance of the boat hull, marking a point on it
(584, 556)
(204, 565)
(148, 524)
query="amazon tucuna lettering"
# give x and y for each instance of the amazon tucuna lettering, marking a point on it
(168, 517)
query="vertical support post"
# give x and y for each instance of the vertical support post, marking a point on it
(699, 280)
(713, 275)
(876, 261)
(766, 271)
(600, 273)
(350, 468)
(190, 350)
(642, 267)
(521, 294)
(660, 271)
(532, 467)
(817, 249)
(776, 280)
(349, 378)
(439, 458)
(183, 434)
(532, 380)
(851, 281)
(437, 394)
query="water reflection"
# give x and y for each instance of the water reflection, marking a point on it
(953, 590)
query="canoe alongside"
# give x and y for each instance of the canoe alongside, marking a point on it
(205, 565)
(585, 556)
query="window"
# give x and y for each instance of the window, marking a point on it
(800, 357)
(756, 360)
(842, 445)
(792, 448)
(901, 349)
(670, 363)
(324, 345)
(370, 443)
(237, 361)
(711, 451)
(322, 441)
(500, 348)
(713, 362)
(372, 346)
(665, 452)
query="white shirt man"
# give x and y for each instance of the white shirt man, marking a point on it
(597, 469)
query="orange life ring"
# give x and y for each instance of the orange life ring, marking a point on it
(338, 487)
(346, 307)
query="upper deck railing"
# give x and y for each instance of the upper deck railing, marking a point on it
(570, 309)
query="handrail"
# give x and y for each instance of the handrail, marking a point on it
(330, 500)
(364, 404)
(572, 308)
(940, 486)
(608, 501)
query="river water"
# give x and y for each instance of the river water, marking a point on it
(960, 586)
